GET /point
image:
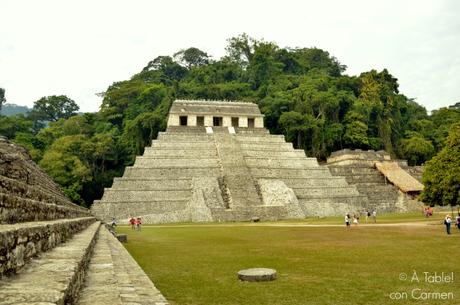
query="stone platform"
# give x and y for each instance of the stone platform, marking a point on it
(257, 275)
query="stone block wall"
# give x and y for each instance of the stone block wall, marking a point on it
(234, 166)
(357, 156)
(16, 164)
(25, 195)
(20, 245)
(15, 209)
(358, 167)
(35, 215)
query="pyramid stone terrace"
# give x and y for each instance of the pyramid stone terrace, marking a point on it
(217, 162)
(390, 185)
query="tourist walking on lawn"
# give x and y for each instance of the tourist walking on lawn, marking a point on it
(447, 222)
(374, 215)
(457, 221)
(347, 220)
(355, 220)
(132, 222)
(139, 223)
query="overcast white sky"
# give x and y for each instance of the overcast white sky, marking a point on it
(79, 48)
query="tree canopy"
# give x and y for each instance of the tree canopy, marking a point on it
(441, 176)
(53, 108)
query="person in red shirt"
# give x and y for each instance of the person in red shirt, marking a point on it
(139, 223)
(132, 221)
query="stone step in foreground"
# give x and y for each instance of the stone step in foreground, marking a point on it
(22, 241)
(115, 278)
(55, 277)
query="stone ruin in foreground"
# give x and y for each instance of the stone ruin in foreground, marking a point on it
(217, 162)
(55, 252)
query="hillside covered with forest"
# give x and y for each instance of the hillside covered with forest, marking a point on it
(304, 94)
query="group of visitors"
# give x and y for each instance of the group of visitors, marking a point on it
(135, 223)
(368, 214)
(428, 212)
(448, 223)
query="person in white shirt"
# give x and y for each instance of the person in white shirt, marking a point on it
(347, 220)
(448, 222)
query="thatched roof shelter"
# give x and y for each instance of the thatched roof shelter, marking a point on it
(399, 177)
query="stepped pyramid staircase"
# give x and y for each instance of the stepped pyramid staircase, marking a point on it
(53, 251)
(359, 169)
(189, 174)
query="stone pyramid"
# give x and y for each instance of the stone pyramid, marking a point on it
(217, 162)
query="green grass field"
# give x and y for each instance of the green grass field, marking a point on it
(321, 264)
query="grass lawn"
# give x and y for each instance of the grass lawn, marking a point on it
(196, 264)
(339, 220)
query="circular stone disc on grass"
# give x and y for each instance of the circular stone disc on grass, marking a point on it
(257, 275)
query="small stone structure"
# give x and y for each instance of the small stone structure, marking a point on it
(230, 168)
(373, 173)
(215, 114)
(53, 251)
(257, 275)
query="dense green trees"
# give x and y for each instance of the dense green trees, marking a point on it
(415, 148)
(191, 57)
(303, 93)
(53, 108)
(65, 162)
(441, 177)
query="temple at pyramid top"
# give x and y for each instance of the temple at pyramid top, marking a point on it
(215, 113)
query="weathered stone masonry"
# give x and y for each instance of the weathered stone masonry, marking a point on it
(216, 162)
(50, 248)
(359, 168)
